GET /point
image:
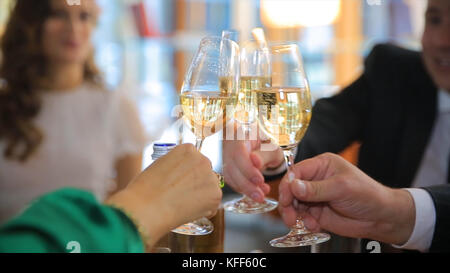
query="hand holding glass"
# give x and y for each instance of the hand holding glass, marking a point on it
(208, 98)
(284, 114)
(255, 75)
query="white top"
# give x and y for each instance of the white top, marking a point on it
(433, 170)
(86, 131)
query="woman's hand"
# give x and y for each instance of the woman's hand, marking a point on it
(176, 189)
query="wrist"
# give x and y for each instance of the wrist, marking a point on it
(276, 173)
(276, 166)
(146, 219)
(398, 218)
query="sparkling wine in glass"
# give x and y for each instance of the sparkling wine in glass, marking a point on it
(208, 98)
(284, 114)
(255, 75)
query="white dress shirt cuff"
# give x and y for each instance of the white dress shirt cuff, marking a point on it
(422, 234)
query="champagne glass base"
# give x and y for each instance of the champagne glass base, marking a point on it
(198, 227)
(245, 205)
(298, 240)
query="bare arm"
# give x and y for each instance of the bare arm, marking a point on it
(127, 168)
(176, 189)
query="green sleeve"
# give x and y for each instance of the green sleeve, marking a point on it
(63, 220)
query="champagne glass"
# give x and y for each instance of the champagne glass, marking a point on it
(255, 75)
(231, 34)
(284, 114)
(208, 98)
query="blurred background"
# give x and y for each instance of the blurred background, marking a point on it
(143, 47)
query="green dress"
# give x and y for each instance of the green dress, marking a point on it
(70, 221)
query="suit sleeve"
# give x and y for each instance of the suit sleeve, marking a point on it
(340, 120)
(69, 220)
(336, 122)
(441, 199)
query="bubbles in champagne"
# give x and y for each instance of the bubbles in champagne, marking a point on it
(206, 112)
(247, 108)
(284, 114)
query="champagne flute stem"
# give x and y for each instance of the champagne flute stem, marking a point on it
(199, 143)
(289, 157)
(246, 129)
(299, 227)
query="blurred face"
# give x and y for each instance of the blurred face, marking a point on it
(436, 42)
(67, 32)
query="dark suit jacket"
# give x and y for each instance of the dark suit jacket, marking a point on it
(441, 236)
(391, 110)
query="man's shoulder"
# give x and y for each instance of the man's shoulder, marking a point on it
(391, 58)
(393, 50)
(397, 67)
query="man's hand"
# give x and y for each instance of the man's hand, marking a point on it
(338, 197)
